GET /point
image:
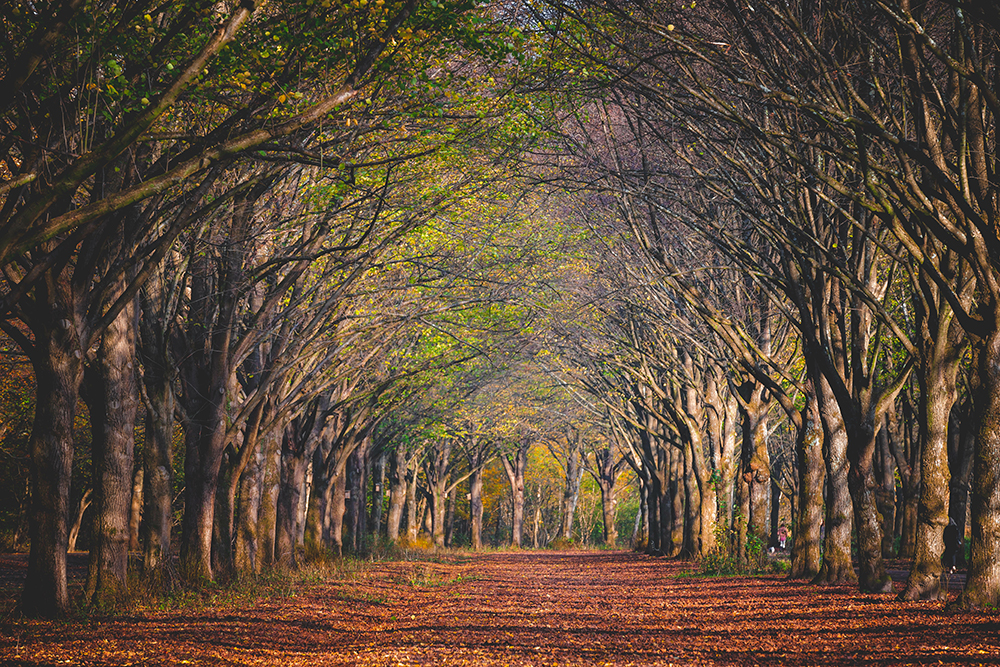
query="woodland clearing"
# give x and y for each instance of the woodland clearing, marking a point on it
(525, 608)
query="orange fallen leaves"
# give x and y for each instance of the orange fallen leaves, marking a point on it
(529, 608)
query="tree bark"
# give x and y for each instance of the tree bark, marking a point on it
(886, 492)
(357, 507)
(515, 466)
(397, 492)
(476, 508)
(246, 553)
(378, 495)
(293, 478)
(982, 588)
(267, 515)
(57, 361)
(571, 491)
(837, 567)
(691, 542)
(673, 513)
(437, 472)
(135, 509)
(158, 466)
(806, 542)
(607, 478)
(112, 395)
(962, 441)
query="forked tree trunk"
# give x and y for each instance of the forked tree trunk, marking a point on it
(607, 477)
(515, 466)
(437, 474)
(571, 491)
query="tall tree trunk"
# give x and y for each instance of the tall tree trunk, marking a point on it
(755, 465)
(691, 544)
(412, 526)
(886, 492)
(741, 513)
(982, 588)
(397, 493)
(112, 394)
(317, 530)
(962, 441)
(907, 460)
(449, 519)
(267, 515)
(476, 508)
(837, 567)
(58, 374)
(246, 554)
(135, 509)
(673, 541)
(640, 529)
(607, 477)
(654, 503)
(238, 457)
(609, 514)
(378, 494)
(293, 479)
(515, 466)
(158, 444)
(338, 509)
(357, 508)
(809, 452)
(203, 460)
(571, 492)
(872, 576)
(938, 392)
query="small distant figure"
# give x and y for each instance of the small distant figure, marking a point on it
(782, 537)
(952, 546)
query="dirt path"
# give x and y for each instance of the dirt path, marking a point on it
(564, 608)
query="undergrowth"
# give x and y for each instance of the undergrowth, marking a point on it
(726, 560)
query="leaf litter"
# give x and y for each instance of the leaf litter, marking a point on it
(528, 608)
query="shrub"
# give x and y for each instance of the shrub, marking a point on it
(562, 544)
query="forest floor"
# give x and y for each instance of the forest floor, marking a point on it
(522, 608)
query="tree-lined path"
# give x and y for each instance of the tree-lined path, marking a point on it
(532, 608)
